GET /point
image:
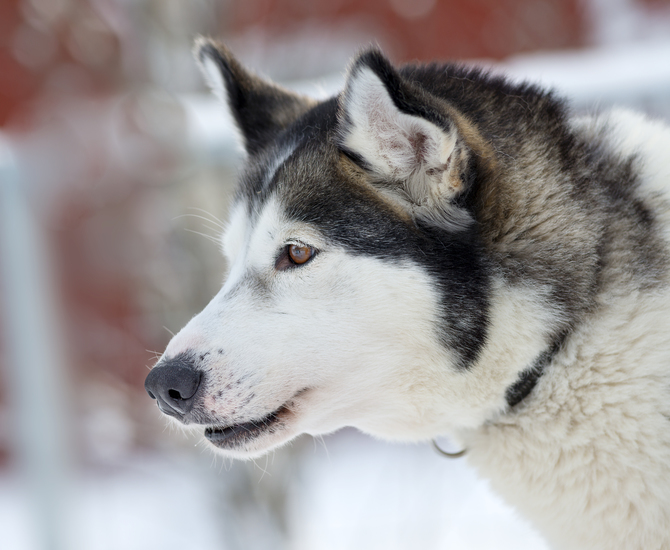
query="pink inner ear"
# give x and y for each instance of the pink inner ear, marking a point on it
(408, 148)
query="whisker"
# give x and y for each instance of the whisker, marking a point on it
(215, 227)
(215, 223)
(263, 470)
(325, 447)
(212, 217)
(208, 237)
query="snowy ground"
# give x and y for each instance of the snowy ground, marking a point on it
(350, 492)
(362, 494)
(146, 503)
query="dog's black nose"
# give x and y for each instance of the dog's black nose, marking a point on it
(174, 385)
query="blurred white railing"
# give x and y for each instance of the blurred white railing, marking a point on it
(34, 380)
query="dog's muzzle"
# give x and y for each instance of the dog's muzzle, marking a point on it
(174, 385)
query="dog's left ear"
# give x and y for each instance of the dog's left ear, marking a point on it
(402, 135)
(261, 108)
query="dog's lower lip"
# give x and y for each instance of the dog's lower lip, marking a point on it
(225, 435)
(236, 435)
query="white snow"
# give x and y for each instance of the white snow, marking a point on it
(349, 493)
(146, 503)
(358, 493)
(625, 74)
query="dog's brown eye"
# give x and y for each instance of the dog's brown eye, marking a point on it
(294, 255)
(299, 254)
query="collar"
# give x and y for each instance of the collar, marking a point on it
(529, 378)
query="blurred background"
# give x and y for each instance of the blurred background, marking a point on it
(116, 169)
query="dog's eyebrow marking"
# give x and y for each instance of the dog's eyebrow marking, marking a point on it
(274, 166)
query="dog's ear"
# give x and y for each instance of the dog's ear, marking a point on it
(406, 139)
(260, 108)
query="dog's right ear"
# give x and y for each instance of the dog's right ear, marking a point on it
(260, 108)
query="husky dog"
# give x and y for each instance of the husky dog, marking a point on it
(437, 251)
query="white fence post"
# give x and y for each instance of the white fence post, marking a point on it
(35, 386)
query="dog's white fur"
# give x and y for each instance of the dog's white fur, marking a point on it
(351, 340)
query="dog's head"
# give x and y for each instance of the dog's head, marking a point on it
(358, 293)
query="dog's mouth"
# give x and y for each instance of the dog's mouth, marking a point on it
(236, 435)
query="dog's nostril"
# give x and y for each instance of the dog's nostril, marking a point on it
(174, 385)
